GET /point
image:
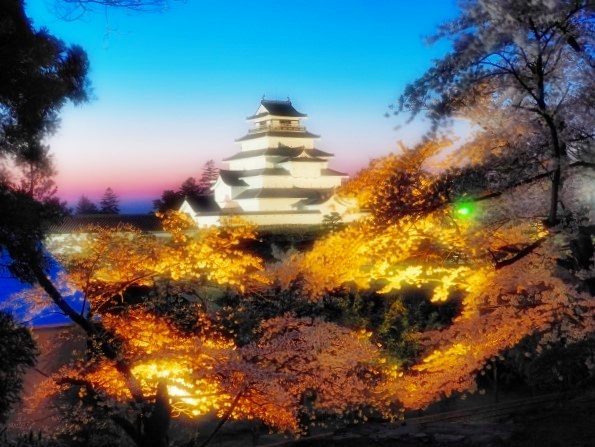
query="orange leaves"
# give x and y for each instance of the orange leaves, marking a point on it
(420, 242)
(103, 263)
(213, 254)
(176, 224)
(159, 352)
(371, 183)
(499, 312)
(407, 253)
(299, 357)
(293, 358)
(298, 367)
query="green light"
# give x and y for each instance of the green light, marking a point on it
(464, 209)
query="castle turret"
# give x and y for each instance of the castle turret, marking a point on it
(278, 167)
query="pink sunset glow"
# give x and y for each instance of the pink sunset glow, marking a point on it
(171, 91)
(141, 159)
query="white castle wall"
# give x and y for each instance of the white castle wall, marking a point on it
(266, 141)
(246, 164)
(267, 204)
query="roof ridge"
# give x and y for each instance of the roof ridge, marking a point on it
(278, 101)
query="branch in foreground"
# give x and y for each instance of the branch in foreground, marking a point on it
(122, 422)
(528, 181)
(223, 420)
(91, 330)
(521, 254)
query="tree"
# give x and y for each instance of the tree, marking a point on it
(109, 203)
(532, 60)
(209, 176)
(36, 178)
(489, 250)
(85, 206)
(169, 200)
(145, 364)
(75, 9)
(33, 178)
(17, 352)
(40, 74)
(332, 222)
(190, 188)
(109, 267)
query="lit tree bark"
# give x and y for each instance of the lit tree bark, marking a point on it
(152, 430)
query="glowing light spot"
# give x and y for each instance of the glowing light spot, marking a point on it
(464, 209)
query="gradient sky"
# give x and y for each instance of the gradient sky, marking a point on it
(171, 90)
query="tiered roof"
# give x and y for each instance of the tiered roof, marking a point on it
(280, 119)
(282, 150)
(279, 133)
(284, 193)
(277, 108)
(234, 178)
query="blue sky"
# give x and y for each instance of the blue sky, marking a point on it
(171, 90)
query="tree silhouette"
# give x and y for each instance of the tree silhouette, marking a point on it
(208, 177)
(36, 178)
(109, 203)
(169, 200)
(39, 75)
(190, 188)
(17, 352)
(86, 206)
(75, 9)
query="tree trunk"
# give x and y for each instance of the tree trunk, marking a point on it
(151, 430)
(223, 420)
(495, 377)
(552, 218)
(156, 425)
(557, 171)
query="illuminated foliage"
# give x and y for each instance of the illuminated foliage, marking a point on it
(214, 254)
(300, 368)
(426, 230)
(497, 254)
(104, 263)
(159, 352)
(398, 185)
(411, 237)
(136, 353)
(494, 256)
(506, 308)
(293, 360)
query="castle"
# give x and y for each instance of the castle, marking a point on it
(279, 177)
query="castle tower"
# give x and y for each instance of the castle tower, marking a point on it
(278, 168)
